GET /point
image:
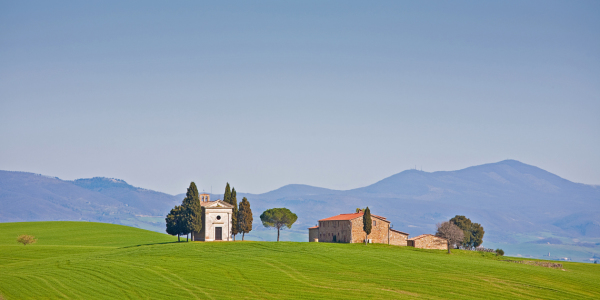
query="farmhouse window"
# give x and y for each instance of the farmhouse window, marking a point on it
(374, 223)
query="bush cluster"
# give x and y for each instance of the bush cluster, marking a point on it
(26, 239)
(499, 252)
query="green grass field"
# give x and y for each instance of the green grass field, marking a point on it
(104, 261)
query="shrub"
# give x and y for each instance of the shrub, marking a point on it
(499, 252)
(26, 239)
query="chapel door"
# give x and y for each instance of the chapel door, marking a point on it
(218, 233)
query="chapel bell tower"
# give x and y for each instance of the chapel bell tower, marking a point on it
(204, 197)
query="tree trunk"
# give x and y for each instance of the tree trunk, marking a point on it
(243, 236)
(178, 239)
(187, 237)
(448, 247)
(278, 234)
(234, 237)
(366, 239)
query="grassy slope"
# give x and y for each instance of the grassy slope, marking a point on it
(92, 260)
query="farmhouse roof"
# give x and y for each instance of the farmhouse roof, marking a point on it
(398, 231)
(314, 227)
(345, 217)
(424, 235)
(216, 204)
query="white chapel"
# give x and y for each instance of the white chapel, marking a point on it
(216, 220)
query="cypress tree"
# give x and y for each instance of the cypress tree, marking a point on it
(227, 195)
(192, 211)
(245, 217)
(234, 213)
(367, 223)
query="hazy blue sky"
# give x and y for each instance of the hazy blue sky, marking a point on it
(337, 94)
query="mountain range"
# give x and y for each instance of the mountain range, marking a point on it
(524, 210)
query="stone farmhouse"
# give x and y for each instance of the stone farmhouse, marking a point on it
(428, 241)
(348, 228)
(216, 220)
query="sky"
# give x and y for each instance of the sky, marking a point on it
(260, 94)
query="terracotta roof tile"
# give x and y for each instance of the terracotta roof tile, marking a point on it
(424, 235)
(314, 227)
(419, 236)
(343, 217)
(398, 231)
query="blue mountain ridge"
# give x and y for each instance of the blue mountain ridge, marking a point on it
(516, 203)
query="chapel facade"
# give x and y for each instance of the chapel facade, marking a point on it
(216, 220)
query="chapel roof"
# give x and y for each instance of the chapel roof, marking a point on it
(344, 217)
(215, 204)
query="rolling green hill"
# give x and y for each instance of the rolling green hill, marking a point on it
(104, 261)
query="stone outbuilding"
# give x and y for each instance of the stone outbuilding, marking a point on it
(313, 234)
(428, 241)
(216, 220)
(348, 228)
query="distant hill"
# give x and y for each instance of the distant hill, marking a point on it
(33, 197)
(146, 202)
(517, 204)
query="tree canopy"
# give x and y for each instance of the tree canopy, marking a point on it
(187, 217)
(244, 217)
(477, 233)
(278, 218)
(367, 223)
(452, 233)
(473, 232)
(174, 221)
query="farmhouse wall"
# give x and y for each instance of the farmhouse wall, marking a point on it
(379, 232)
(313, 234)
(429, 241)
(398, 238)
(348, 228)
(339, 231)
